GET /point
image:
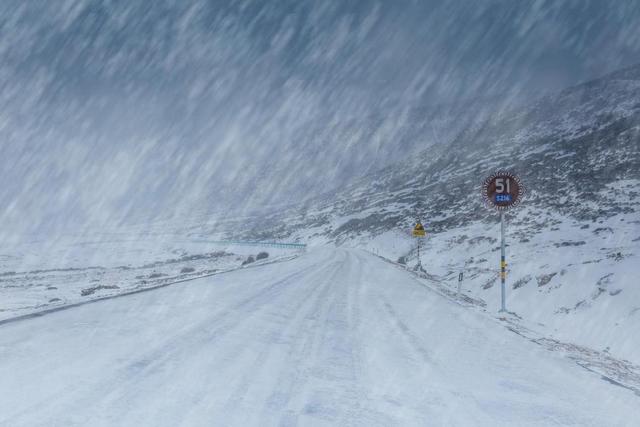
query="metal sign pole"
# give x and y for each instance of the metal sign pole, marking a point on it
(503, 264)
(502, 190)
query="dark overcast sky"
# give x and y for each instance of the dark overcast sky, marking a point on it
(107, 106)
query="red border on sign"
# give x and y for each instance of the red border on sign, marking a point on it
(507, 174)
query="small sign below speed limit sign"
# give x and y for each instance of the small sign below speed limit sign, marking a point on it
(502, 190)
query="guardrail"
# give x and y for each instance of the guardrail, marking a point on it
(280, 245)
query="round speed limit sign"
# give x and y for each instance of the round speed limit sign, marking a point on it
(502, 190)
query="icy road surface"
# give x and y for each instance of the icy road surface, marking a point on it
(336, 337)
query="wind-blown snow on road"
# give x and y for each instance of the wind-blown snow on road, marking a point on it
(335, 337)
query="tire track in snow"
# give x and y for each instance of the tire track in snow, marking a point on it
(294, 327)
(289, 385)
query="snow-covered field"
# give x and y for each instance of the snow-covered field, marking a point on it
(333, 337)
(37, 276)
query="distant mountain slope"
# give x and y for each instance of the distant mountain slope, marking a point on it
(567, 148)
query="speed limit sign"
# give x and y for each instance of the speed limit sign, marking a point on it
(502, 190)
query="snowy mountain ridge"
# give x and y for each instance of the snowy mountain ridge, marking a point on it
(587, 136)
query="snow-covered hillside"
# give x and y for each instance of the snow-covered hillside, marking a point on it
(574, 243)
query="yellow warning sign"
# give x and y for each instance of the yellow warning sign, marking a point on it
(418, 231)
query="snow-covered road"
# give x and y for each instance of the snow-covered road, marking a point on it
(336, 337)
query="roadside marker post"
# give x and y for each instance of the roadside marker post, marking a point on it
(460, 277)
(502, 191)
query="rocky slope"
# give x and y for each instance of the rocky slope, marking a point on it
(567, 149)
